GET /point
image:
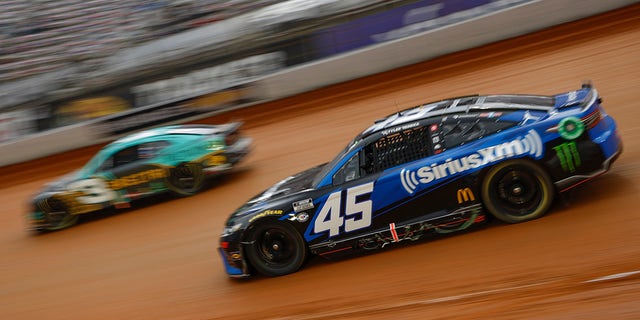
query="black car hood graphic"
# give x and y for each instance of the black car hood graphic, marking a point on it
(291, 185)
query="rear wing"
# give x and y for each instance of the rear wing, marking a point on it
(206, 129)
(584, 98)
(229, 127)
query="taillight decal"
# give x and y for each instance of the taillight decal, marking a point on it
(571, 128)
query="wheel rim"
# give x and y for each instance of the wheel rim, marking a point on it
(276, 247)
(57, 215)
(517, 191)
(186, 178)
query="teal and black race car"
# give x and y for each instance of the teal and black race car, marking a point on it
(177, 158)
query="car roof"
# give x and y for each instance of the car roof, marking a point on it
(462, 105)
(151, 135)
(160, 133)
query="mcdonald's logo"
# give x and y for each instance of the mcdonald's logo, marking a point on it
(465, 195)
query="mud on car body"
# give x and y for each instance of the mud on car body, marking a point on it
(177, 158)
(440, 167)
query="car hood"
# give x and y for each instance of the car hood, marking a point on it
(291, 185)
(60, 183)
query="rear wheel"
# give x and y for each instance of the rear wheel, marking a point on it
(275, 249)
(186, 179)
(517, 191)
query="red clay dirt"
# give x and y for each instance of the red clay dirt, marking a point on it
(159, 261)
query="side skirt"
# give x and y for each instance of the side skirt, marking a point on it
(457, 220)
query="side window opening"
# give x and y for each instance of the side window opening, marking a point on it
(142, 151)
(150, 149)
(396, 149)
(125, 156)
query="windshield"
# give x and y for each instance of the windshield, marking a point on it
(92, 166)
(329, 166)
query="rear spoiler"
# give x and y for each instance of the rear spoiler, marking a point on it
(207, 129)
(573, 98)
(228, 127)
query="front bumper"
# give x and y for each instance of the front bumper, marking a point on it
(234, 264)
(36, 220)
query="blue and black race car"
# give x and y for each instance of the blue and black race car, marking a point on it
(177, 158)
(435, 168)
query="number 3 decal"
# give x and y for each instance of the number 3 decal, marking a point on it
(357, 215)
(95, 190)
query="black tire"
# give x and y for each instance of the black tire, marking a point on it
(517, 190)
(275, 249)
(57, 215)
(186, 179)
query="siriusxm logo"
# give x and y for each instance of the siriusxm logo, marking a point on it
(531, 144)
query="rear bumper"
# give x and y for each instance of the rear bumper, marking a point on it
(233, 155)
(606, 135)
(576, 180)
(238, 150)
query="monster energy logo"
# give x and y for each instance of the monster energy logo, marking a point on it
(568, 155)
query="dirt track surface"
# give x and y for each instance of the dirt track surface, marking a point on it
(159, 260)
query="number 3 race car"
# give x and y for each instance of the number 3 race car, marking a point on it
(176, 158)
(436, 168)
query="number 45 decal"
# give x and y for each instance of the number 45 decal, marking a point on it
(357, 215)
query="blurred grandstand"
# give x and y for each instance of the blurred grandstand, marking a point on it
(65, 62)
(59, 57)
(78, 72)
(41, 36)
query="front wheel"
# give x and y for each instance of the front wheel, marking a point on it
(517, 191)
(275, 249)
(57, 215)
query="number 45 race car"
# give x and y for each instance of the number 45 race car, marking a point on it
(176, 158)
(436, 168)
